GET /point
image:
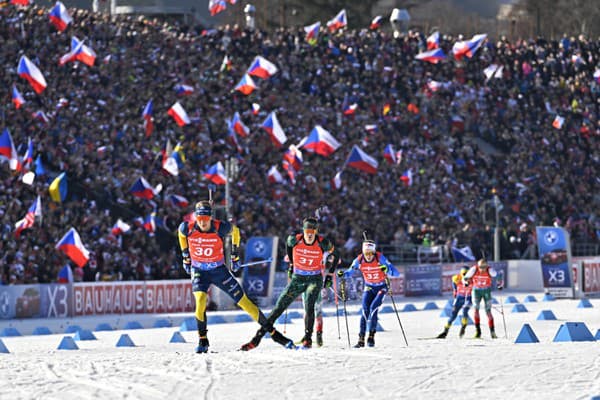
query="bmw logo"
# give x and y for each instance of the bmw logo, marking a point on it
(4, 305)
(551, 237)
(259, 247)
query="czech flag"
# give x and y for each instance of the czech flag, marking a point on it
(79, 52)
(390, 154)
(34, 211)
(71, 245)
(274, 176)
(558, 122)
(17, 98)
(433, 41)
(246, 85)
(150, 223)
(468, 47)
(262, 68)
(177, 201)
(8, 150)
(238, 125)
(371, 128)
(321, 142)
(65, 275)
(142, 189)
(28, 157)
(216, 174)
(183, 90)
(179, 115)
(255, 108)
(294, 157)
(348, 109)
(407, 177)
(432, 56)
(59, 16)
(291, 171)
(216, 6)
(376, 23)
(339, 21)
(271, 125)
(29, 71)
(360, 160)
(120, 227)
(148, 120)
(58, 188)
(312, 33)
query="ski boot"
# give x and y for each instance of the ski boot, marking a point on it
(255, 340)
(202, 345)
(307, 340)
(493, 333)
(444, 333)
(371, 339)
(477, 332)
(463, 326)
(361, 342)
(282, 340)
(319, 338)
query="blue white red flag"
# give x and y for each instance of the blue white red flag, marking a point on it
(238, 125)
(390, 154)
(147, 115)
(274, 176)
(293, 156)
(176, 200)
(433, 41)
(216, 174)
(246, 85)
(360, 160)
(32, 74)
(262, 68)
(71, 245)
(273, 128)
(338, 22)
(59, 16)
(120, 227)
(142, 189)
(312, 33)
(320, 141)
(216, 6)
(467, 48)
(17, 99)
(376, 22)
(432, 56)
(8, 150)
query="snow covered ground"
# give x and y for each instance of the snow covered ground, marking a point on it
(425, 369)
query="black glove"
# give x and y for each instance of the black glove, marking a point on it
(187, 261)
(500, 286)
(328, 282)
(340, 273)
(384, 268)
(466, 282)
(290, 271)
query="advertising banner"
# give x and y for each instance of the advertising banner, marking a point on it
(258, 277)
(35, 301)
(423, 280)
(555, 256)
(591, 278)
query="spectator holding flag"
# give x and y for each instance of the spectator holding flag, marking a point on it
(202, 245)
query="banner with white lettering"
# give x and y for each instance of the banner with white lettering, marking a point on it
(554, 248)
(591, 277)
(259, 275)
(35, 301)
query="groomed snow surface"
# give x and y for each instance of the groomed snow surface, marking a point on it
(453, 368)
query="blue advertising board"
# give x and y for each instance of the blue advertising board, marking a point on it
(258, 277)
(554, 248)
(423, 280)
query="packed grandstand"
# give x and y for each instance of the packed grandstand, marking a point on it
(138, 116)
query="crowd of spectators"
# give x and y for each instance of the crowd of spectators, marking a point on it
(542, 175)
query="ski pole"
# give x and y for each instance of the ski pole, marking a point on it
(343, 295)
(337, 308)
(503, 320)
(387, 281)
(250, 264)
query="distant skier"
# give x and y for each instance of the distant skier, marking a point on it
(481, 276)
(374, 267)
(462, 299)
